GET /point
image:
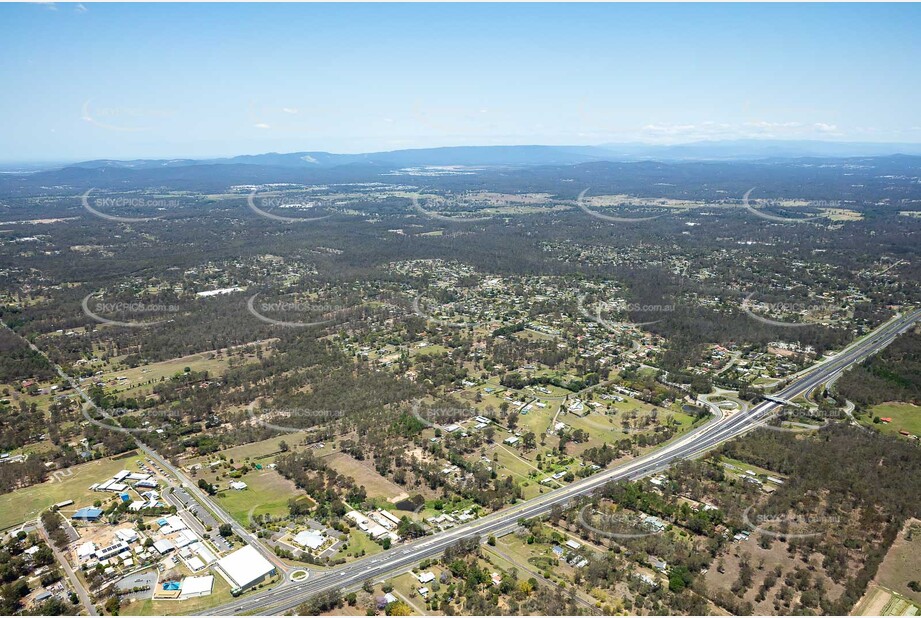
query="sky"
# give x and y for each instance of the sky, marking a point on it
(86, 81)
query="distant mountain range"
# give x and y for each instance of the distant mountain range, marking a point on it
(734, 150)
(448, 156)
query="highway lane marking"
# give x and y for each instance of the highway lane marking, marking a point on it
(714, 432)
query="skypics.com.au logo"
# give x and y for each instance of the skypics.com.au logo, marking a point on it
(581, 203)
(122, 119)
(263, 204)
(786, 308)
(448, 314)
(114, 419)
(103, 207)
(435, 203)
(292, 420)
(800, 420)
(624, 307)
(433, 417)
(280, 312)
(131, 314)
(788, 525)
(774, 218)
(619, 525)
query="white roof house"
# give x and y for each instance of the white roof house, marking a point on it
(184, 538)
(195, 563)
(164, 546)
(86, 550)
(128, 535)
(371, 528)
(206, 555)
(244, 567)
(310, 539)
(110, 550)
(390, 516)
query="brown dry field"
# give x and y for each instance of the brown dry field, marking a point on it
(902, 563)
(776, 555)
(375, 484)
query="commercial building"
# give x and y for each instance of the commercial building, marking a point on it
(196, 586)
(310, 539)
(244, 568)
(87, 513)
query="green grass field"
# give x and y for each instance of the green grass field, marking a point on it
(256, 450)
(26, 504)
(360, 542)
(428, 350)
(904, 416)
(406, 586)
(267, 493)
(513, 462)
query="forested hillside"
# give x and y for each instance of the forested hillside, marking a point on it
(892, 375)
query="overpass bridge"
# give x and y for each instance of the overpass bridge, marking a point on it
(780, 400)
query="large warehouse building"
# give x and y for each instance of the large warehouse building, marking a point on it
(244, 568)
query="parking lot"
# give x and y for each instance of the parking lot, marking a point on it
(179, 497)
(146, 579)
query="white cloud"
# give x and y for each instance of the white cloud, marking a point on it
(704, 130)
(752, 129)
(262, 125)
(764, 124)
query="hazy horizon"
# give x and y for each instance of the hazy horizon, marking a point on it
(92, 81)
(51, 162)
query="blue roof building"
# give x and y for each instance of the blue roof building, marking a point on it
(87, 513)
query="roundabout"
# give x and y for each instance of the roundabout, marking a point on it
(298, 575)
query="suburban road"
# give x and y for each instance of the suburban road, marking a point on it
(183, 480)
(82, 594)
(402, 558)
